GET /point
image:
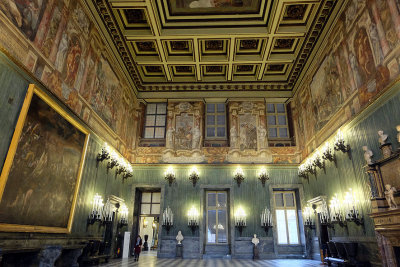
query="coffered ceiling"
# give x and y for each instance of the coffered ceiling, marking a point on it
(213, 45)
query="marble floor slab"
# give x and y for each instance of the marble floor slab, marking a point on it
(152, 261)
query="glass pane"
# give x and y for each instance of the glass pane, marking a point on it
(210, 120)
(210, 108)
(156, 197)
(159, 133)
(281, 226)
(161, 108)
(150, 120)
(211, 132)
(212, 199)
(271, 120)
(220, 131)
(283, 132)
(280, 108)
(211, 226)
(160, 120)
(270, 108)
(155, 209)
(292, 227)
(149, 132)
(151, 108)
(278, 200)
(282, 120)
(289, 200)
(222, 237)
(221, 200)
(272, 132)
(146, 197)
(221, 120)
(145, 209)
(221, 108)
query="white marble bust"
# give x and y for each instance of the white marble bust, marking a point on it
(255, 240)
(382, 137)
(367, 155)
(179, 237)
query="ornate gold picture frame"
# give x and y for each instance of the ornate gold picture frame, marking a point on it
(40, 180)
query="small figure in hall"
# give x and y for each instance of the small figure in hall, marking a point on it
(382, 137)
(389, 195)
(179, 237)
(367, 155)
(255, 240)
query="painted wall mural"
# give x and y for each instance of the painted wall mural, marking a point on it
(360, 60)
(69, 57)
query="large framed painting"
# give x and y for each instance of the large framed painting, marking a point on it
(40, 179)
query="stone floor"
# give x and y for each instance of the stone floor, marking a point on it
(152, 261)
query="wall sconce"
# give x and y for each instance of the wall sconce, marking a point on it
(105, 153)
(239, 176)
(193, 218)
(263, 176)
(317, 162)
(97, 209)
(310, 166)
(308, 217)
(108, 212)
(170, 175)
(327, 153)
(113, 160)
(168, 219)
(323, 214)
(266, 220)
(335, 211)
(194, 175)
(302, 172)
(351, 208)
(123, 219)
(128, 172)
(240, 219)
(340, 143)
(121, 166)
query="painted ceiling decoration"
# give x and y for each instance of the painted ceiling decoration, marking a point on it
(172, 45)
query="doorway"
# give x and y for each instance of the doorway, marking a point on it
(148, 219)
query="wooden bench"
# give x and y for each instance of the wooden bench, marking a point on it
(94, 253)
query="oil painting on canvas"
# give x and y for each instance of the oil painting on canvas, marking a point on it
(43, 166)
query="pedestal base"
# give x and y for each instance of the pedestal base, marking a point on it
(179, 250)
(256, 254)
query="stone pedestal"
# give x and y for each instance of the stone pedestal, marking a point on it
(179, 250)
(256, 254)
(386, 150)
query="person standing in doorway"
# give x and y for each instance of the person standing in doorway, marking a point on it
(138, 248)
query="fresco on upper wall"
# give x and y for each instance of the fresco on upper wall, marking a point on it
(76, 67)
(195, 7)
(361, 59)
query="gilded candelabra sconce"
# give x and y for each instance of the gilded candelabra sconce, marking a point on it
(96, 213)
(193, 219)
(263, 176)
(340, 143)
(308, 217)
(239, 176)
(240, 219)
(336, 213)
(266, 220)
(170, 175)
(194, 175)
(168, 219)
(105, 153)
(327, 153)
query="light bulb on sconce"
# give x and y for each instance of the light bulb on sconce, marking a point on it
(308, 217)
(263, 175)
(240, 219)
(105, 153)
(194, 175)
(238, 175)
(266, 219)
(317, 160)
(340, 143)
(327, 152)
(351, 207)
(168, 219)
(336, 212)
(193, 218)
(170, 175)
(97, 209)
(123, 211)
